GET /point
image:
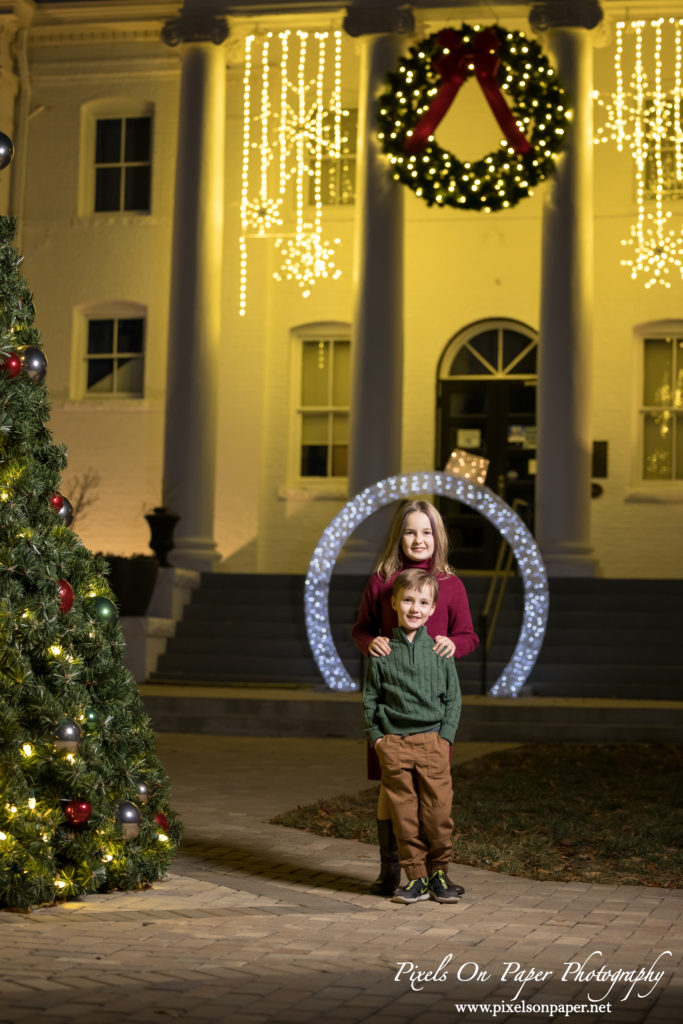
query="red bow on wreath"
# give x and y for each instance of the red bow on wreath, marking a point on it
(456, 62)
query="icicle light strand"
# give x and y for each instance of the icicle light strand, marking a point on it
(645, 118)
(246, 113)
(298, 133)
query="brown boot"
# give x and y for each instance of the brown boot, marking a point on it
(389, 868)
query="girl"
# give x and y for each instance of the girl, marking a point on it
(418, 540)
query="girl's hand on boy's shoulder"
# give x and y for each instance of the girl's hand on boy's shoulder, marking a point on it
(444, 647)
(379, 647)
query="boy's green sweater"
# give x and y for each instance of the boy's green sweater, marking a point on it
(411, 690)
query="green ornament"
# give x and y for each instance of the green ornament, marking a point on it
(103, 609)
(91, 719)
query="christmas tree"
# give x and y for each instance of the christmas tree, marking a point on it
(83, 796)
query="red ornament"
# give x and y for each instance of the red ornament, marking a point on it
(57, 502)
(77, 812)
(66, 596)
(11, 364)
(161, 820)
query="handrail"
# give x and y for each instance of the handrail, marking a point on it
(501, 573)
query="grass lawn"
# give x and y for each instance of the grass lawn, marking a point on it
(565, 812)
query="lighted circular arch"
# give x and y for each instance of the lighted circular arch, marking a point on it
(409, 486)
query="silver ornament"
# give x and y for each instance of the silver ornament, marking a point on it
(6, 151)
(34, 362)
(67, 735)
(129, 817)
(66, 512)
(142, 792)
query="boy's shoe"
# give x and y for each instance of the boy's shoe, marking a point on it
(442, 889)
(417, 889)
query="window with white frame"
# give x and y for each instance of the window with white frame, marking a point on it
(123, 164)
(338, 174)
(323, 406)
(665, 159)
(114, 356)
(662, 406)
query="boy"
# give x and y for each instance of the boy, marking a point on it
(411, 706)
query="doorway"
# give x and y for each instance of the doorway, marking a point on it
(486, 404)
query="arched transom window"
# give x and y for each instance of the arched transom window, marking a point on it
(491, 348)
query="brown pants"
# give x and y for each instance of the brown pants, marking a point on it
(416, 774)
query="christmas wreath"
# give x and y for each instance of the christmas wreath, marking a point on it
(508, 66)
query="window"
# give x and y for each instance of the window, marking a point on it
(500, 349)
(123, 164)
(662, 409)
(115, 357)
(672, 185)
(338, 174)
(325, 385)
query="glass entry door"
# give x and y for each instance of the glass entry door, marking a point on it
(489, 409)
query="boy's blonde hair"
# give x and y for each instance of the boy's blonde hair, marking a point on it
(392, 558)
(415, 579)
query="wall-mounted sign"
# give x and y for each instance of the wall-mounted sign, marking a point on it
(468, 438)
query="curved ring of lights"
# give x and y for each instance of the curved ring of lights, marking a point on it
(501, 178)
(410, 486)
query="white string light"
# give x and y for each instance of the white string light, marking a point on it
(303, 125)
(646, 119)
(678, 71)
(336, 104)
(282, 133)
(409, 486)
(244, 201)
(619, 95)
(265, 116)
(319, 116)
(294, 140)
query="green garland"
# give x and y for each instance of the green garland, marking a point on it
(501, 178)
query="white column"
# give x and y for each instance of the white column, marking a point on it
(563, 485)
(195, 304)
(377, 335)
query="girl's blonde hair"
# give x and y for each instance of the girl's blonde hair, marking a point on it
(392, 558)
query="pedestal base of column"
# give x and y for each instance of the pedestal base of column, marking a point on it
(569, 560)
(198, 553)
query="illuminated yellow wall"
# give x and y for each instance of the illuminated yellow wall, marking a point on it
(459, 268)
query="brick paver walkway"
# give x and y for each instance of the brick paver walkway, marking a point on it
(259, 923)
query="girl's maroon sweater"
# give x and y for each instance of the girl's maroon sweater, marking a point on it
(451, 616)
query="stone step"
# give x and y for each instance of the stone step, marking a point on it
(557, 680)
(283, 711)
(277, 653)
(603, 637)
